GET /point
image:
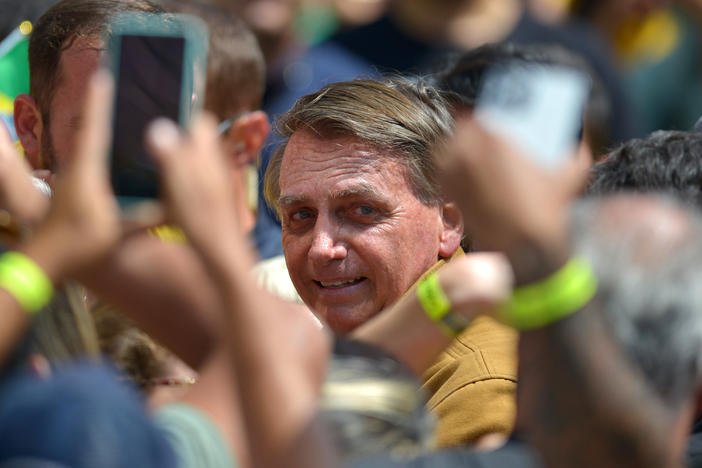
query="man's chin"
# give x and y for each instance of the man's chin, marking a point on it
(343, 320)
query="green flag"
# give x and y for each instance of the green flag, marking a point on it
(14, 64)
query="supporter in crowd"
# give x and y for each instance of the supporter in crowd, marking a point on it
(234, 88)
(64, 52)
(67, 40)
(664, 162)
(104, 422)
(594, 381)
(656, 45)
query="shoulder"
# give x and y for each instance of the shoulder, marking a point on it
(194, 438)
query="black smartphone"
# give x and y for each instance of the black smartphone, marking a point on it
(159, 65)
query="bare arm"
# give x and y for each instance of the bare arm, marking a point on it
(165, 290)
(277, 354)
(570, 370)
(82, 223)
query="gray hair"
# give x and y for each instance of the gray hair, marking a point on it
(403, 117)
(650, 291)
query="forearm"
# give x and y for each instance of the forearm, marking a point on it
(15, 320)
(268, 342)
(405, 331)
(572, 370)
(166, 291)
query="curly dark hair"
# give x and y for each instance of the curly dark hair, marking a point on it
(665, 161)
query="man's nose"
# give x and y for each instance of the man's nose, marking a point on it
(327, 244)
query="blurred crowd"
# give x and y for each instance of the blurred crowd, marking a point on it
(349, 264)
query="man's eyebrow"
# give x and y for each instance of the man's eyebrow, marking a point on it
(289, 200)
(363, 190)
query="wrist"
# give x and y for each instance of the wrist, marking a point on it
(44, 248)
(538, 255)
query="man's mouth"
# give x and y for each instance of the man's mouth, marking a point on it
(339, 284)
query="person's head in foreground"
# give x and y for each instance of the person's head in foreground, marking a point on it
(371, 404)
(355, 185)
(647, 255)
(64, 52)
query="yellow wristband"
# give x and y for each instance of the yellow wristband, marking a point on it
(438, 308)
(25, 281)
(552, 299)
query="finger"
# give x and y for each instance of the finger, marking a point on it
(94, 135)
(163, 140)
(4, 137)
(205, 137)
(204, 129)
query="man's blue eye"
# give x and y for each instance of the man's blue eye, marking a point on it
(300, 215)
(365, 210)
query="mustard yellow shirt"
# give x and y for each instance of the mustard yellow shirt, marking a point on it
(473, 382)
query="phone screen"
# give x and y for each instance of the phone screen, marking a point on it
(149, 82)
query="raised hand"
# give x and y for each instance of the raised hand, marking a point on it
(509, 203)
(197, 185)
(83, 221)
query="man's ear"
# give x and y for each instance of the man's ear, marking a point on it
(246, 138)
(29, 127)
(452, 232)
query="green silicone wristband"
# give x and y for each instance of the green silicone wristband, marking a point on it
(438, 307)
(556, 297)
(25, 281)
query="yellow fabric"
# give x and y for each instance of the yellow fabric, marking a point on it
(473, 383)
(169, 234)
(648, 40)
(6, 104)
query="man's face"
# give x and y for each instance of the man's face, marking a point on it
(77, 65)
(355, 237)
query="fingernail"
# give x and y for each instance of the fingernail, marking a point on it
(163, 133)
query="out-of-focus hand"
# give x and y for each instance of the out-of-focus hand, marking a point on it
(18, 194)
(83, 220)
(477, 283)
(509, 203)
(195, 178)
